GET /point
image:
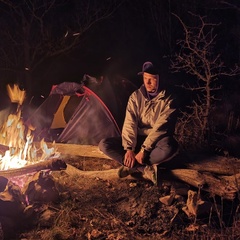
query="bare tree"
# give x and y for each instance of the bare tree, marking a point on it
(35, 30)
(198, 58)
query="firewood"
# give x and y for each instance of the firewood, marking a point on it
(224, 186)
(51, 164)
(213, 163)
(3, 149)
(189, 176)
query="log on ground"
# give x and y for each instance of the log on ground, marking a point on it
(223, 186)
(213, 163)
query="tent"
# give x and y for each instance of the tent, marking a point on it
(72, 113)
(114, 90)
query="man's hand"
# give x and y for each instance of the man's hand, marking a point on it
(129, 159)
(140, 157)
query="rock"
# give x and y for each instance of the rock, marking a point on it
(167, 200)
(41, 188)
(11, 201)
(195, 206)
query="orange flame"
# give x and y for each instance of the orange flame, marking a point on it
(19, 139)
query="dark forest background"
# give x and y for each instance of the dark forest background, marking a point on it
(48, 42)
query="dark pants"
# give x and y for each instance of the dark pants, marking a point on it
(162, 151)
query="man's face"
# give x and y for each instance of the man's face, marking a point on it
(150, 82)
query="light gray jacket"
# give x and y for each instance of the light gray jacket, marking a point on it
(150, 118)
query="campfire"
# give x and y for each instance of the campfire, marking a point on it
(25, 166)
(17, 139)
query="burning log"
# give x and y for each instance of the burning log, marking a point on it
(3, 149)
(52, 164)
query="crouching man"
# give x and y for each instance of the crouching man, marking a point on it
(148, 131)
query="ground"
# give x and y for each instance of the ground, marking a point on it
(95, 208)
(94, 203)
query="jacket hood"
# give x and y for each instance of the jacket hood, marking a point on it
(143, 90)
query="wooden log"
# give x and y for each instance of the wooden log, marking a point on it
(217, 185)
(213, 163)
(189, 176)
(51, 164)
(104, 174)
(223, 186)
(77, 150)
(3, 149)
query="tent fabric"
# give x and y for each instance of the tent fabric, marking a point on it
(87, 118)
(91, 122)
(59, 119)
(66, 88)
(114, 91)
